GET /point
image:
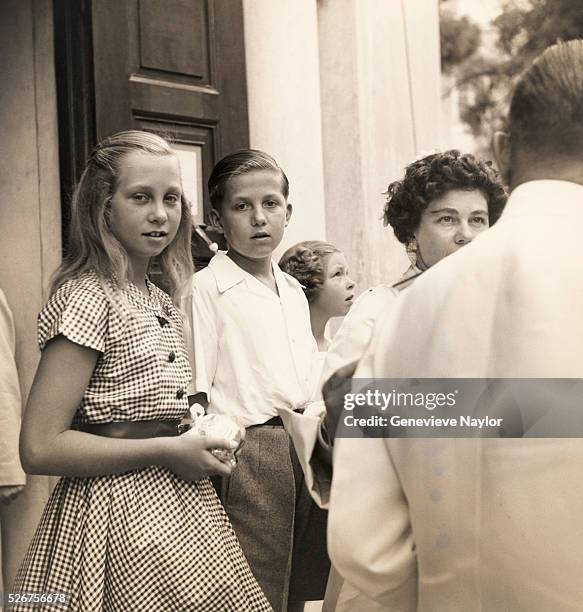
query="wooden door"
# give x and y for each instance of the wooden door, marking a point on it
(172, 66)
(177, 67)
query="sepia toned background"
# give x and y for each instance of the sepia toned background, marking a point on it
(343, 93)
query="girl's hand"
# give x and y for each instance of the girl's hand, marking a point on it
(189, 456)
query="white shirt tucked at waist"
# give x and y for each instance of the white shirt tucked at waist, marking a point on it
(254, 350)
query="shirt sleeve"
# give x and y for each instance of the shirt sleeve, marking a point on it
(11, 472)
(204, 340)
(79, 311)
(303, 430)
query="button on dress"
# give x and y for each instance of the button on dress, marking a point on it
(144, 539)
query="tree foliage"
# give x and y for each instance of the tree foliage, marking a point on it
(460, 39)
(484, 75)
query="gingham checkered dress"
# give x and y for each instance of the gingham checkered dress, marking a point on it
(145, 539)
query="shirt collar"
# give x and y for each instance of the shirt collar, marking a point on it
(544, 197)
(282, 279)
(228, 274)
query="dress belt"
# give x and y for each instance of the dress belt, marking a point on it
(135, 429)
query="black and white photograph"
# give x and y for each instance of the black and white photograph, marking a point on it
(291, 302)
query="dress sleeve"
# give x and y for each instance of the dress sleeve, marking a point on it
(79, 310)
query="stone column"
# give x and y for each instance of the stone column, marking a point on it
(283, 83)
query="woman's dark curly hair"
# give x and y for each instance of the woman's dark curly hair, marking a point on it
(433, 176)
(306, 262)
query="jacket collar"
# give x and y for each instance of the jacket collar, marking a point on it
(544, 198)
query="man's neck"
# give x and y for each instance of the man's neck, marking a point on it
(556, 168)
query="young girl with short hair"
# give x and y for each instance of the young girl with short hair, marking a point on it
(134, 524)
(322, 271)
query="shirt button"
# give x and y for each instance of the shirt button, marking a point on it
(180, 393)
(171, 356)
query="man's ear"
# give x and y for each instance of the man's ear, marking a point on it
(215, 220)
(288, 213)
(501, 148)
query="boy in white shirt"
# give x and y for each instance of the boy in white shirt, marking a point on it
(254, 353)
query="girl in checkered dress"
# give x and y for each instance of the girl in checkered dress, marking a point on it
(134, 523)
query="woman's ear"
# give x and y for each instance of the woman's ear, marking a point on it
(288, 213)
(501, 148)
(215, 220)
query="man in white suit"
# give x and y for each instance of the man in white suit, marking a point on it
(484, 524)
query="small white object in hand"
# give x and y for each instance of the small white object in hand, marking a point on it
(219, 426)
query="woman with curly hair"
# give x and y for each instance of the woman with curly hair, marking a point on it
(323, 273)
(444, 201)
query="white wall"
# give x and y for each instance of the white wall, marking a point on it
(380, 84)
(281, 50)
(344, 93)
(30, 212)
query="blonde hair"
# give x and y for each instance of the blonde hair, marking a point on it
(93, 246)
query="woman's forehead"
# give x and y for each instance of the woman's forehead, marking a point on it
(459, 200)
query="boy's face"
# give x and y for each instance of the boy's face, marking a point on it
(253, 214)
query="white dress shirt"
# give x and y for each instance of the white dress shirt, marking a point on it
(254, 350)
(475, 524)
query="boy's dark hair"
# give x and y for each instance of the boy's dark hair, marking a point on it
(235, 164)
(431, 177)
(546, 112)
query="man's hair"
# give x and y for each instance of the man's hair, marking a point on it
(546, 112)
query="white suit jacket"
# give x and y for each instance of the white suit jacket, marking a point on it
(488, 524)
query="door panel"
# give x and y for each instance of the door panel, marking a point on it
(176, 67)
(174, 38)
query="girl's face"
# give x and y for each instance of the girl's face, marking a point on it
(146, 206)
(254, 213)
(337, 293)
(449, 223)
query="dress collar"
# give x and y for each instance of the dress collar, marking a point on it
(141, 300)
